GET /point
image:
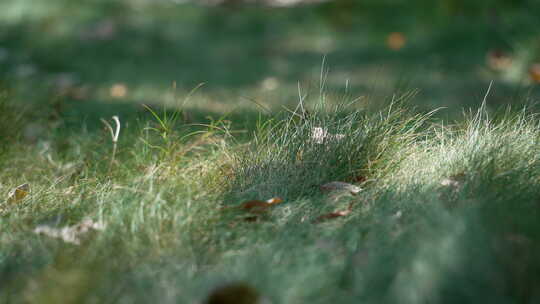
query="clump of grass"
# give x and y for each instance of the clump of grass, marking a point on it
(468, 195)
(498, 150)
(292, 153)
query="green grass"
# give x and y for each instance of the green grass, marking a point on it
(450, 173)
(408, 239)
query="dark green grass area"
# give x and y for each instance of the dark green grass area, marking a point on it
(81, 50)
(293, 98)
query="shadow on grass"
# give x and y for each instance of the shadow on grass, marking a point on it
(235, 50)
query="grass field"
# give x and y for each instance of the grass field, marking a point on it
(443, 145)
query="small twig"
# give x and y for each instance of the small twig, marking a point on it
(114, 136)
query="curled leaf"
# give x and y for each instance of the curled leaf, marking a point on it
(71, 234)
(257, 206)
(332, 215)
(18, 193)
(340, 186)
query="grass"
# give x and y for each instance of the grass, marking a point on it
(448, 210)
(444, 213)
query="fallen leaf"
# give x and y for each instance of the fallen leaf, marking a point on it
(396, 41)
(341, 186)
(448, 182)
(534, 72)
(118, 90)
(333, 215)
(256, 206)
(71, 234)
(234, 293)
(454, 181)
(498, 60)
(319, 135)
(18, 193)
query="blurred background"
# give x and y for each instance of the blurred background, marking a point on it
(105, 57)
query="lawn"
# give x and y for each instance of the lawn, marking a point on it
(155, 151)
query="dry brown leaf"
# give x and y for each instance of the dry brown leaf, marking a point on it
(340, 186)
(333, 215)
(234, 293)
(534, 72)
(256, 206)
(396, 41)
(18, 193)
(71, 234)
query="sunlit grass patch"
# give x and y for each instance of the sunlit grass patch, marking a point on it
(295, 152)
(437, 213)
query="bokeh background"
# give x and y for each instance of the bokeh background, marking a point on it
(105, 57)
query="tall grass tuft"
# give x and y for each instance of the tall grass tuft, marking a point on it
(291, 154)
